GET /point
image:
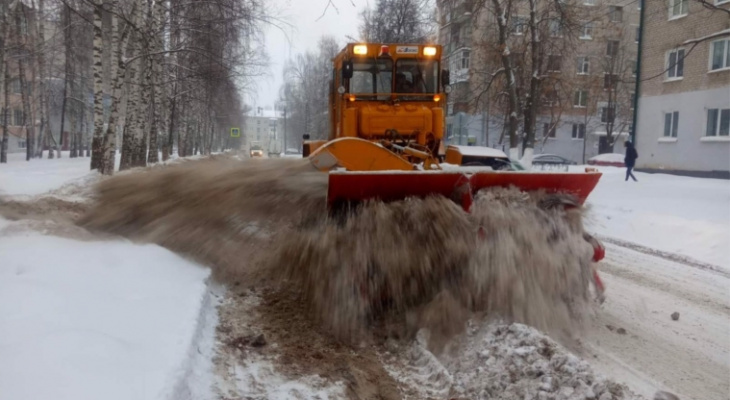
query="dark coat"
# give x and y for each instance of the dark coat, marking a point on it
(631, 155)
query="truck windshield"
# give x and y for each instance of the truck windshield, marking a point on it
(371, 77)
(416, 76)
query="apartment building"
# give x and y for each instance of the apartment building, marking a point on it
(684, 104)
(266, 129)
(589, 76)
(463, 125)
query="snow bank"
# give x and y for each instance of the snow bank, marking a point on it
(676, 214)
(96, 320)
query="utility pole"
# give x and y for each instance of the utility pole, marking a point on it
(285, 129)
(637, 84)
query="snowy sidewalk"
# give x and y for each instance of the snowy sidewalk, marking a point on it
(676, 214)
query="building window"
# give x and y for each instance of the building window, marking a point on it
(579, 131)
(556, 28)
(718, 122)
(671, 119)
(616, 13)
(583, 65)
(18, 117)
(548, 130)
(580, 99)
(21, 143)
(610, 81)
(519, 25)
(465, 58)
(608, 114)
(586, 31)
(638, 33)
(675, 64)
(612, 48)
(553, 64)
(678, 8)
(720, 54)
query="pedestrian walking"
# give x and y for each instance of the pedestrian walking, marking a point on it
(630, 159)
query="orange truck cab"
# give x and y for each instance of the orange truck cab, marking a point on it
(393, 92)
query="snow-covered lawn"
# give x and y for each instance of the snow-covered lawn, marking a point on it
(20, 177)
(683, 215)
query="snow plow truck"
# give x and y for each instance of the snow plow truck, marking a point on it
(387, 114)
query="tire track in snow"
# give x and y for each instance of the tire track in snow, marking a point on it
(691, 356)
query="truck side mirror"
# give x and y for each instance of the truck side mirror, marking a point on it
(445, 77)
(347, 69)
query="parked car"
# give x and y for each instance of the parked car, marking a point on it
(478, 156)
(551, 159)
(608, 159)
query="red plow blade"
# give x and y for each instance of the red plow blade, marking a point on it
(460, 186)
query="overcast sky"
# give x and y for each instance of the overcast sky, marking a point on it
(304, 33)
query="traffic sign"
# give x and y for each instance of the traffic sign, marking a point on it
(235, 132)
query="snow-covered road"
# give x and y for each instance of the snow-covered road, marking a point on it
(690, 356)
(135, 326)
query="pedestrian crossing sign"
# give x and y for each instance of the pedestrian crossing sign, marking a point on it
(235, 132)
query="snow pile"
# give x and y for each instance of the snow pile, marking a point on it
(507, 362)
(93, 320)
(517, 362)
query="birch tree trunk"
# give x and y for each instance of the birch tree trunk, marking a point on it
(5, 76)
(97, 149)
(118, 72)
(29, 134)
(67, 76)
(40, 49)
(158, 13)
(5, 111)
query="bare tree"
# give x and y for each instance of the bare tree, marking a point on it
(398, 21)
(618, 65)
